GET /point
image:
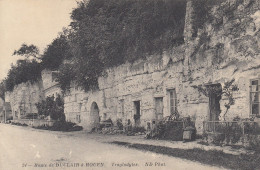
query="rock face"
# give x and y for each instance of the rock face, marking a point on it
(50, 86)
(23, 99)
(226, 47)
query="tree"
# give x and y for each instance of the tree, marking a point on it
(2, 89)
(66, 75)
(28, 51)
(104, 34)
(107, 33)
(23, 71)
(227, 91)
(52, 107)
(57, 51)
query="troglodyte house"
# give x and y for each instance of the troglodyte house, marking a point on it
(225, 47)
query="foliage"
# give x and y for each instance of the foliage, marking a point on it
(65, 76)
(171, 130)
(19, 124)
(31, 116)
(138, 129)
(107, 33)
(57, 51)
(2, 89)
(52, 107)
(202, 13)
(23, 71)
(227, 91)
(28, 51)
(254, 143)
(234, 132)
(61, 126)
(127, 30)
(119, 124)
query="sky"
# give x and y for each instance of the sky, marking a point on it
(35, 22)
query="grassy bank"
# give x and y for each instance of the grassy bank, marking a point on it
(211, 157)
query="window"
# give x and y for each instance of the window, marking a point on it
(78, 118)
(80, 107)
(254, 97)
(33, 95)
(159, 108)
(172, 101)
(121, 104)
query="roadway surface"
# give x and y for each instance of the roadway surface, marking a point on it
(28, 149)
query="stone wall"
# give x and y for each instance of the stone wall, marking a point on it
(50, 86)
(223, 49)
(24, 97)
(227, 47)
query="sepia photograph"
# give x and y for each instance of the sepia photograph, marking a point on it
(129, 84)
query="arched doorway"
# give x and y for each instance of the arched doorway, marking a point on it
(94, 115)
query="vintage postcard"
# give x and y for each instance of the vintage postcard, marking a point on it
(129, 84)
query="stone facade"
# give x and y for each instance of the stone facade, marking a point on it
(50, 86)
(5, 112)
(23, 98)
(226, 47)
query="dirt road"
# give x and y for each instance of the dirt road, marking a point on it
(26, 148)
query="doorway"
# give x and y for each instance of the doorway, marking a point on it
(214, 94)
(94, 115)
(137, 114)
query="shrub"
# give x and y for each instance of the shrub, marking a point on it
(170, 130)
(218, 139)
(52, 107)
(65, 126)
(19, 124)
(138, 129)
(254, 143)
(119, 124)
(31, 116)
(61, 126)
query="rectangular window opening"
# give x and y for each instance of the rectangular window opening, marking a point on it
(159, 108)
(172, 101)
(254, 97)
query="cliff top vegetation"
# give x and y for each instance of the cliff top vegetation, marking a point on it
(103, 34)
